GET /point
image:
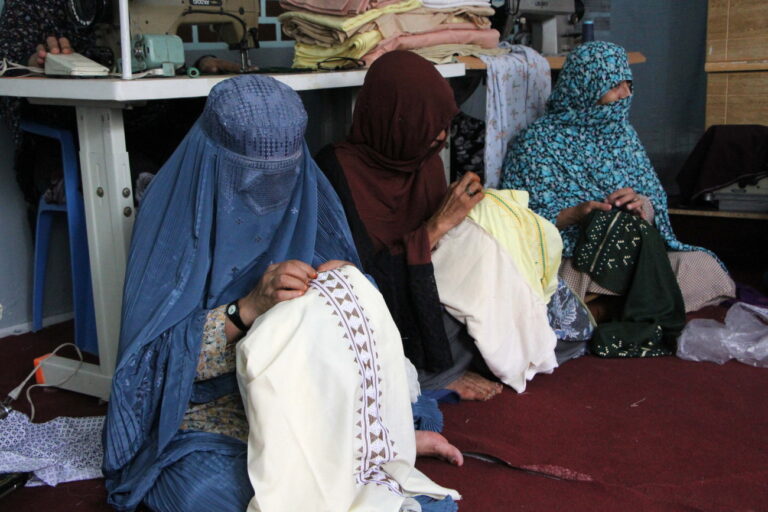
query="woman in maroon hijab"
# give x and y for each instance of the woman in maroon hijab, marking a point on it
(391, 181)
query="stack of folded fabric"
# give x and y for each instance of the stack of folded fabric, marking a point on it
(335, 7)
(337, 33)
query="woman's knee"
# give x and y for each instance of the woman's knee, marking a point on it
(202, 481)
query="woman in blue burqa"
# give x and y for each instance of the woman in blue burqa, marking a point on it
(238, 220)
(584, 156)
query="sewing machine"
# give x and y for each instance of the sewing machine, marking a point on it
(546, 25)
(234, 22)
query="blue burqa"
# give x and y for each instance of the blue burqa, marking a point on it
(240, 193)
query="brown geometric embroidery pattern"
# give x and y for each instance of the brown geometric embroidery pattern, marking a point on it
(375, 447)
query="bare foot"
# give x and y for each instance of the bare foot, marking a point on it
(472, 386)
(432, 444)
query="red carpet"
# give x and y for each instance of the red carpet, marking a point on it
(626, 435)
(493, 488)
(646, 432)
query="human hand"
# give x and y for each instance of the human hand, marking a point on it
(646, 210)
(281, 282)
(626, 199)
(52, 45)
(462, 196)
(332, 265)
(575, 214)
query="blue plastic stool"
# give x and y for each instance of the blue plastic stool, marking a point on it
(85, 318)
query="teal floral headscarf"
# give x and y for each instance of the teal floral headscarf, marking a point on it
(581, 151)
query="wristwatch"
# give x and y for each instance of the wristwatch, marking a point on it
(233, 313)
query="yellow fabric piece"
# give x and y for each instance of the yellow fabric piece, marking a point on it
(481, 286)
(307, 55)
(349, 24)
(447, 53)
(533, 242)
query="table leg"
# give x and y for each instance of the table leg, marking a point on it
(109, 214)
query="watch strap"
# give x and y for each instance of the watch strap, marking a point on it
(233, 313)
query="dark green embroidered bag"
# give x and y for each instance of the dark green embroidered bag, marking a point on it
(626, 255)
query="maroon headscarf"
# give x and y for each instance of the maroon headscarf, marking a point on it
(396, 178)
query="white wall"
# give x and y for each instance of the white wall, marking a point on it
(670, 88)
(17, 251)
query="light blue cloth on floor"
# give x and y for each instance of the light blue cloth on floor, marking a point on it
(61, 450)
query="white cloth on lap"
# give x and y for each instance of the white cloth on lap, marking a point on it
(480, 285)
(324, 383)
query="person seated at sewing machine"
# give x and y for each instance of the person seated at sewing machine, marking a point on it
(242, 246)
(29, 31)
(583, 156)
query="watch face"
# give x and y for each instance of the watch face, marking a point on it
(231, 309)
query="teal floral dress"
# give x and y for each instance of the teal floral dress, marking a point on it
(581, 151)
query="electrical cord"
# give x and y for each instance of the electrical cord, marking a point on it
(15, 392)
(6, 65)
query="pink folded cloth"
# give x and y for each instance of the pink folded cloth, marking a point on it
(334, 7)
(488, 38)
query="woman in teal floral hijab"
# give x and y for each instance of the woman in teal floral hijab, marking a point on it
(583, 155)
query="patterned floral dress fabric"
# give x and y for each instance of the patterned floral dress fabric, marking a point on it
(467, 146)
(223, 415)
(568, 316)
(581, 151)
(518, 87)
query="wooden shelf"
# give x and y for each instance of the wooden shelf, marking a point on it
(736, 33)
(731, 66)
(554, 62)
(719, 214)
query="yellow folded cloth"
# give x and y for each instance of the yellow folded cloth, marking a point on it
(308, 56)
(447, 53)
(533, 242)
(348, 24)
(423, 20)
